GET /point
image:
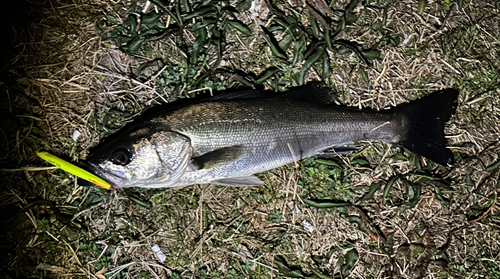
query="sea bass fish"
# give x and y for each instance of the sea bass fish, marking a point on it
(227, 140)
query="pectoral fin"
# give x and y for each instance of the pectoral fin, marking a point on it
(239, 181)
(218, 157)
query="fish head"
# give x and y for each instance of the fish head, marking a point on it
(153, 159)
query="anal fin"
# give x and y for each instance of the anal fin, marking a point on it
(337, 150)
(239, 181)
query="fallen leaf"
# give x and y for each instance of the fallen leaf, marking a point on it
(100, 273)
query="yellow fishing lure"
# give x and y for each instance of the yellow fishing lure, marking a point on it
(77, 171)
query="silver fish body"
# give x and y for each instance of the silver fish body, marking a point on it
(227, 141)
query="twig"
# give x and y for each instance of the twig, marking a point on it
(29, 169)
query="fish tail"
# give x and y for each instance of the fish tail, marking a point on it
(427, 118)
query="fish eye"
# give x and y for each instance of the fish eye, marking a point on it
(121, 156)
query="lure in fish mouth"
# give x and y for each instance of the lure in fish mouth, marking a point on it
(226, 140)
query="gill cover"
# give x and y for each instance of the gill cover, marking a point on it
(157, 160)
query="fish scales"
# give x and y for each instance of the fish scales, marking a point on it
(228, 141)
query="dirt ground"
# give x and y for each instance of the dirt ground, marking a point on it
(74, 72)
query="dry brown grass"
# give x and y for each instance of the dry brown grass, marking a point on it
(72, 80)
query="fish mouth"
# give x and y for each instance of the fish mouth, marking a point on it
(94, 169)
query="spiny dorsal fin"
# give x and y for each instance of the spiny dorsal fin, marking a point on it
(240, 95)
(315, 92)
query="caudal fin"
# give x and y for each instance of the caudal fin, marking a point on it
(427, 117)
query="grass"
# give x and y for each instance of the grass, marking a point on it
(379, 212)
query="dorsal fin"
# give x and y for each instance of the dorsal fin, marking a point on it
(315, 92)
(245, 94)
